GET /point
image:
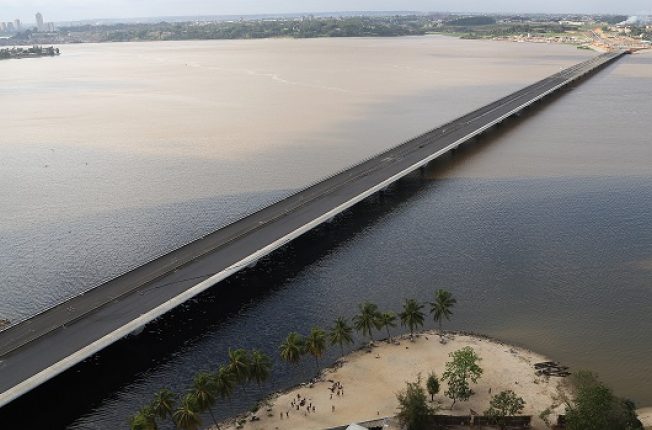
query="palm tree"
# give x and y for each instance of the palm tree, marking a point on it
(261, 366)
(412, 316)
(145, 419)
(441, 307)
(164, 403)
(316, 344)
(224, 382)
(387, 320)
(292, 348)
(203, 391)
(186, 416)
(367, 319)
(340, 334)
(239, 364)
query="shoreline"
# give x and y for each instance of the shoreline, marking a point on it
(373, 376)
(508, 39)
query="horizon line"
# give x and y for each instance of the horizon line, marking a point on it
(192, 17)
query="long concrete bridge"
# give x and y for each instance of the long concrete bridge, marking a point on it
(39, 348)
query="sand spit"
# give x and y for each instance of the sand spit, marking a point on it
(370, 381)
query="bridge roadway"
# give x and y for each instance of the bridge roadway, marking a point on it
(36, 349)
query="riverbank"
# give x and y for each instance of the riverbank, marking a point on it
(370, 380)
(33, 52)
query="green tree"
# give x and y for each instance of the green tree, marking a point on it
(387, 320)
(204, 392)
(442, 307)
(412, 315)
(239, 364)
(224, 382)
(186, 416)
(367, 320)
(459, 371)
(504, 404)
(261, 366)
(292, 348)
(145, 419)
(413, 407)
(340, 334)
(597, 408)
(315, 344)
(163, 404)
(432, 385)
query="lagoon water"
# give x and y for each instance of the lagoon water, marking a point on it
(113, 154)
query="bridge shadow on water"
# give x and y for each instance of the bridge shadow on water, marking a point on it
(86, 386)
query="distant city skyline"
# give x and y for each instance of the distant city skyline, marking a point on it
(16, 25)
(70, 10)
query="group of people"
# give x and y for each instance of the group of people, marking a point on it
(305, 403)
(337, 386)
(299, 404)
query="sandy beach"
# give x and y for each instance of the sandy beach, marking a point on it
(645, 415)
(370, 381)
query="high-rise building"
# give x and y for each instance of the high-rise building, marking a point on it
(10, 27)
(3, 27)
(50, 26)
(39, 22)
(17, 24)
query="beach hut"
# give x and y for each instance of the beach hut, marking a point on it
(356, 427)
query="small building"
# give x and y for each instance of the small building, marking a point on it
(571, 23)
(356, 427)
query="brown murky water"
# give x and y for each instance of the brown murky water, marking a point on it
(144, 122)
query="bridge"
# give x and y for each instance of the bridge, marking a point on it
(37, 349)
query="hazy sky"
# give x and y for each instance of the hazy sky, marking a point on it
(63, 10)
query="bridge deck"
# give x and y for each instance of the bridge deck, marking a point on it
(35, 350)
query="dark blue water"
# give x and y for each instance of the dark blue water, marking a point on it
(546, 263)
(558, 264)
